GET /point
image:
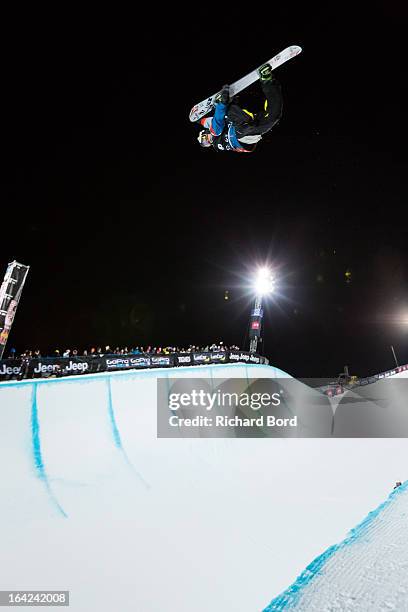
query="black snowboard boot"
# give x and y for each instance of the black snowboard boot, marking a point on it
(223, 96)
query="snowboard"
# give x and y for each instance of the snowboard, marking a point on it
(204, 107)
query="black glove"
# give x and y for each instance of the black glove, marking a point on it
(223, 96)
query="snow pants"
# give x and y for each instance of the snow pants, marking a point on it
(261, 122)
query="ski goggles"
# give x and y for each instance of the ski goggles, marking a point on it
(205, 138)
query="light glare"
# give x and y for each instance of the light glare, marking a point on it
(264, 282)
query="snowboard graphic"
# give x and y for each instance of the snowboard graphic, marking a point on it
(204, 107)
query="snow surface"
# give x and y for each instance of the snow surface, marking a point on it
(367, 571)
(94, 503)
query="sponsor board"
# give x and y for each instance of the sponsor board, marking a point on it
(67, 366)
(218, 357)
(46, 367)
(7, 369)
(241, 356)
(162, 360)
(253, 358)
(123, 363)
(10, 292)
(184, 359)
(202, 357)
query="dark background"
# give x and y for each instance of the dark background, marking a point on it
(133, 232)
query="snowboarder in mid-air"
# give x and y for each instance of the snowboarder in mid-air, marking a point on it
(233, 128)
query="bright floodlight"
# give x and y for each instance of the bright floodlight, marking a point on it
(264, 282)
(402, 318)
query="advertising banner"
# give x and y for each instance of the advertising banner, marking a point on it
(126, 362)
(46, 367)
(162, 361)
(183, 359)
(10, 292)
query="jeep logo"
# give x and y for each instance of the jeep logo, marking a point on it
(8, 370)
(76, 367)
(42, 369)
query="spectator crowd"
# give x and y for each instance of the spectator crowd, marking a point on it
(99, 351)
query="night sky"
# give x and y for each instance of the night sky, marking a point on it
(133, 232)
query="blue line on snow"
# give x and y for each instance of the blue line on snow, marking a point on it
(290, 598)
(116, 435)
(115, 431)
(36, 444)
